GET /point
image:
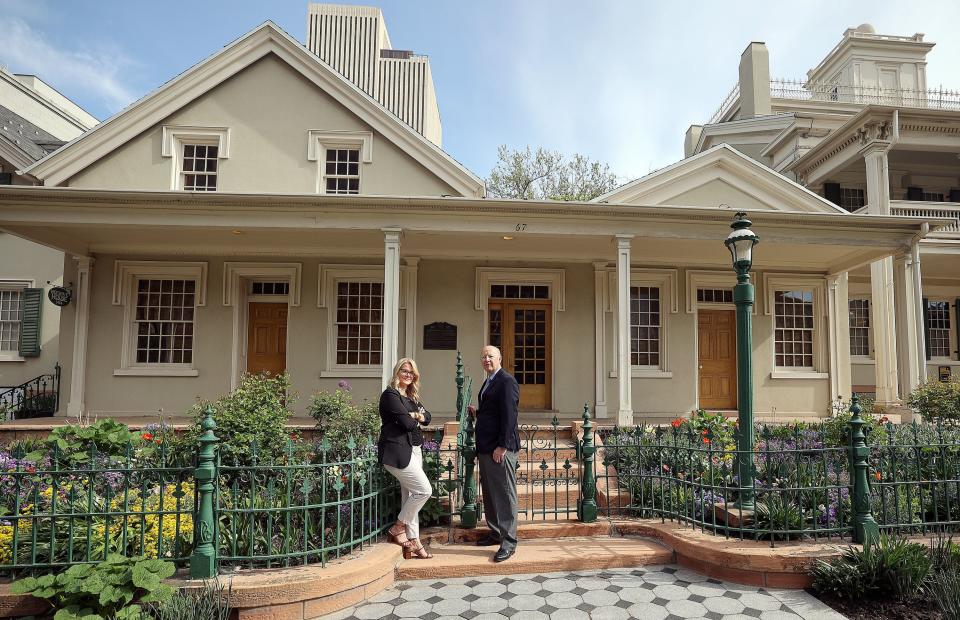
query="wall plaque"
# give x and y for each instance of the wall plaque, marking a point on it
(944, 372)
(440, 335)
(59, 295)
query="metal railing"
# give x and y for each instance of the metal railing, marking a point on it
(732, 98)
(931, 98)
(37, 398)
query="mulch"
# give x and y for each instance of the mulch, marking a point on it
(880, 609)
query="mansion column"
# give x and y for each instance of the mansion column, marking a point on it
(391, 301)
(839, 312)
(600, 339)
(624, 376)
(78, 368)
(882, 306)
(910, 343)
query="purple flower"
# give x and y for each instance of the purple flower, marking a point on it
(429, 446)
(343, 384)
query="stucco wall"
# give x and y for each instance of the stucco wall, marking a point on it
(23, 260)
(269, 108)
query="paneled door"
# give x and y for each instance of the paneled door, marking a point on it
(717, 358)
(522, 331)
(267, 338)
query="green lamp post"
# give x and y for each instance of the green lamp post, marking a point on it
(740, 242)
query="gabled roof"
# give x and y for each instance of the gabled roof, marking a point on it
(265, 39)
(728, 165)
(20, 134)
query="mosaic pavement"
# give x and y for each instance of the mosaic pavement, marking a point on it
(651, 593)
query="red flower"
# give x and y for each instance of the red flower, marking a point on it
(676, 423)
(147, 436)
(877, 475)
(293, 436)
(705, 440)
(884, 420)
(705, 431)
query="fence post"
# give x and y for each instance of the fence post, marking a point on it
(459, 381)
(468, 515)
(865, 528)
(203, 561)
(587, 507)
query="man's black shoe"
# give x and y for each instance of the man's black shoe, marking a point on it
(503, 554)
(488, 541)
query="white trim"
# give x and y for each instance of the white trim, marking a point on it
(235, 295)
(78, 370)
(125, 275)
(666, 281)
(600, 307)
(486, 276)
(773, 282)
(175, 137)
(408, 302)
(320, 139)
(798, 374)
(697, 279)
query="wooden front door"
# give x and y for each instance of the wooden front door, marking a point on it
(717, 346)
(267, 338)
(522, 331)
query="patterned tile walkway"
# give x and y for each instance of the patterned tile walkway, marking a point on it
(651, 593)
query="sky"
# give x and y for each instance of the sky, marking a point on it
(618, 81)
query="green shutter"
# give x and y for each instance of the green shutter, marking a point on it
(31, 301)
(956, 327)
(926, 326)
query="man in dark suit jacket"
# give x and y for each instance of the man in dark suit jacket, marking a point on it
(498, 446)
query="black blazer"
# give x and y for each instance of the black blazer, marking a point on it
(497, 414)
(398, 431)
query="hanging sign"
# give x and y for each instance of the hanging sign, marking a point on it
(59, 295)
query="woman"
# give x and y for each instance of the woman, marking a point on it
(398, 449)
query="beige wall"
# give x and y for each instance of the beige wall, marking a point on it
(24, 260)
(269, 108)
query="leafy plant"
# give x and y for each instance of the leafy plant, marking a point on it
(254, 414)
(944, 588)
(893, 567)
(936, 400)
(211, 602)
(108, 590)
(776, 517)
(74, 443)
(339, 418)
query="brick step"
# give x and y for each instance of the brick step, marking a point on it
(543, 555)
(537, 495)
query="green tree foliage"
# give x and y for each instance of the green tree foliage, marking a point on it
(937, 400)
(339, 418)
(548, 175)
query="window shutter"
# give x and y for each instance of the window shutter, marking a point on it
(831, 191)
(956, 326)
(914, 193)
(955, 195)
(926, 326)
(31, 301)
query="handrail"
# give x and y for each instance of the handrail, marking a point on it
(36, 398)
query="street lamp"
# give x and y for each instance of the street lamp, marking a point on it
(740, 242)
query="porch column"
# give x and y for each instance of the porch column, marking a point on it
(910, 344)
(839, 304)
(600, 338)
(410, 339)
(624, 378)
(78, 370)
(882, 305)
(391, 301)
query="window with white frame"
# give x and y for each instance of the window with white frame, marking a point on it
(359, 323)
(852, 198)
(933, 196)
(342, 171)
(163, 321)
(10, 320)
(793, 328)
(938, 328)
(198, 167)
(860, 327)
(645, 326)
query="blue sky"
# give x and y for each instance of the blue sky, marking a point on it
(617, 81)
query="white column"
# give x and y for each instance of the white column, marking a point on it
(912, 353)
(410, 295)
(839, 304)
(919, 329)
(78, 370)
(624, 378)
(882, 304)
(391, 301)
(600, 338)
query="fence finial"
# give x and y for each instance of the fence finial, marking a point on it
(203, 561)
(587, 507)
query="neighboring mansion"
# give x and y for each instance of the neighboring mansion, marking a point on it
(275, 207)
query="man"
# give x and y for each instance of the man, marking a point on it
(498, 446)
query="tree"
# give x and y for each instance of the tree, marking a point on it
(547, 175)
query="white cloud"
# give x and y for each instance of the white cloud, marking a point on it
(90, 73)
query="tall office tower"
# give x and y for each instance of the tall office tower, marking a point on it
(354, 41)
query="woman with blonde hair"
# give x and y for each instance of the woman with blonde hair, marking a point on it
(398, 449)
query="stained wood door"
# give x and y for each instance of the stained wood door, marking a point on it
(267, 338)
(522, 331)
(717, 358)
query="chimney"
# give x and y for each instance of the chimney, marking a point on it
(755, 81)
(691, 140)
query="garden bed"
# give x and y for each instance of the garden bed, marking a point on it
(882, 609)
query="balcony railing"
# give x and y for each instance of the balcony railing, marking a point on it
(931, 209)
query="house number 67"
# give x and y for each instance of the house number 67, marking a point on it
(521, 227)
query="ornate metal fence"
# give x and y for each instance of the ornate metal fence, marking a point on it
(37, 398)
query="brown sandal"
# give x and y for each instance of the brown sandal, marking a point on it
(398, 534)
(414, 549)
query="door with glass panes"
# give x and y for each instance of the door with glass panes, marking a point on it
(520, 325)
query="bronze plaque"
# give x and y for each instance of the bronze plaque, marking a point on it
(442, 336)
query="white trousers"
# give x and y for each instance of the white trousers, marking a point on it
(415, 490)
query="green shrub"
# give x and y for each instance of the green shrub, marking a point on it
(837, 429)
(339, 418)
(936, 400)
(74, 441)
(944, 588)
(110, 590)
(256, 412)
(893, 567)
(211, 602)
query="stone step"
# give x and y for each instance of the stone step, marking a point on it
(534, 495)
(543, 555)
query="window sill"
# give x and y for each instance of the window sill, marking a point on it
(9, 357)
(798, 374)
(645, 373)
(343, 373)
(865, 361)
(942, 362)
(156, 372)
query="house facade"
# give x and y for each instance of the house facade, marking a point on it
(866, 131)
(263, 211)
